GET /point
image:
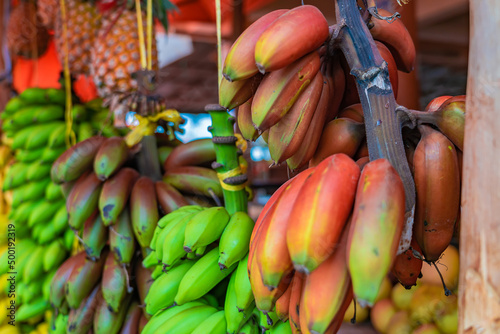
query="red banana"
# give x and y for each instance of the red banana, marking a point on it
(169, 198)
(244, 121)
(232, 94)
(83, 200)
(196, 152)
(143, 210)
(110, 157)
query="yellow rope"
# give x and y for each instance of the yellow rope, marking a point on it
(70, 137)
(140, 30)
(150, 34)
(219, 41)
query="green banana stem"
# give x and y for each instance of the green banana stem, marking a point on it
(227, 158)
(383, 129)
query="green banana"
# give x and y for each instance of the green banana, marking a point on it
(31, 291)
(38, 171)
(121, 238)
(143, 210)
(205, 227)
(55, 227)
(163, 290)
(281, 328)
(40, 134)
(29, 156)
(50, 155)
(59, 324)
(95, 236)
(214, 324)
(82, 201)
(114, 284)
(53, 255)
(267, 320)
(107, 321)
(75, 160)
(194, 180)
(44, 212)
(150, 260)
(16, 176)
(186, 321)
(32, 310)
(173, 242)
(174, 215)
(13, 105)
(57, 138)
(37, 114)
(23, 212)
(53, 192)
(79, 113)
(157, 272)
(110, 157)
(163, 316)
(35, 95)
(244, 294)
(211, 300)
(250, 327)
(235, 239)
(34, 267)
(47, 282)
(20, 138)
(115, 194)
(83, 279)
(22, 118)
(202, 277)
(69, 238)
(85, 131)
(80, 318)
(24, 250)
(235, 318)
(163, 153)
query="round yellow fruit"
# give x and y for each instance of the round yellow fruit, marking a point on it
(401, 297)
(449, 266)
(361, 313)
(381, 313)
(426, 300)
(385, 290)
(399, 323)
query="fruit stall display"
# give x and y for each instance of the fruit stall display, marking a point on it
(132, 231)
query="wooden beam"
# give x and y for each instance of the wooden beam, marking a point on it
(479, 289)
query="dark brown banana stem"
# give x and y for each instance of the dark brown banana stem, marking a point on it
(383, 129)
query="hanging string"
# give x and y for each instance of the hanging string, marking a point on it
(70, 136)
(150, 33)
(219, 41)
(140, 30)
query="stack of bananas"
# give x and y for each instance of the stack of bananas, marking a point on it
(287, 84)
(115, 211)
(340, 221)
(34, 126)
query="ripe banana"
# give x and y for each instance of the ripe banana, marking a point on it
(168, 197)
(317, 219)
(205, 227)
(80, 319)
(279, 90)
(114, 284)
(111, 155)
(57, 288)
(132, 318)
(342, 135)
(235, 238)
(194, 180)
(75, 160)
(143, 210)
(244, 121)
(202, 277)
(240, 60)
(121, 238)
(291, 36)
(295, 298)
(232, 94)
(83, 200)
(115, 194)
(108, 322)
(437, 182)
(450, 119)
(377, 224)
(272, 253)
(282, 305)
(83, 278)
(286, 136)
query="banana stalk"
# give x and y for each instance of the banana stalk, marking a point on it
(383, 129)
(226, 153)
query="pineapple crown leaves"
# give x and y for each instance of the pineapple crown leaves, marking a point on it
(160, 9)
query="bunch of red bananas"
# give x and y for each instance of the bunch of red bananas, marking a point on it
(286, 84)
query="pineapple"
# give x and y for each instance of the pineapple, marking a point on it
(83, 23)
(47, 11)
(26, 36)
(116, 54)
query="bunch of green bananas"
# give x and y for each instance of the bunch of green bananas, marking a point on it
(196, 253)
(34, 128)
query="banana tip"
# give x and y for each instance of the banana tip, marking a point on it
(188, 249)
(261, 68)
(227, 77)
(222, 266)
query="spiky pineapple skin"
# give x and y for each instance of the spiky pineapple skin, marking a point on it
(47, 11)
(83, 23)
(26, 36)
(116, 54)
